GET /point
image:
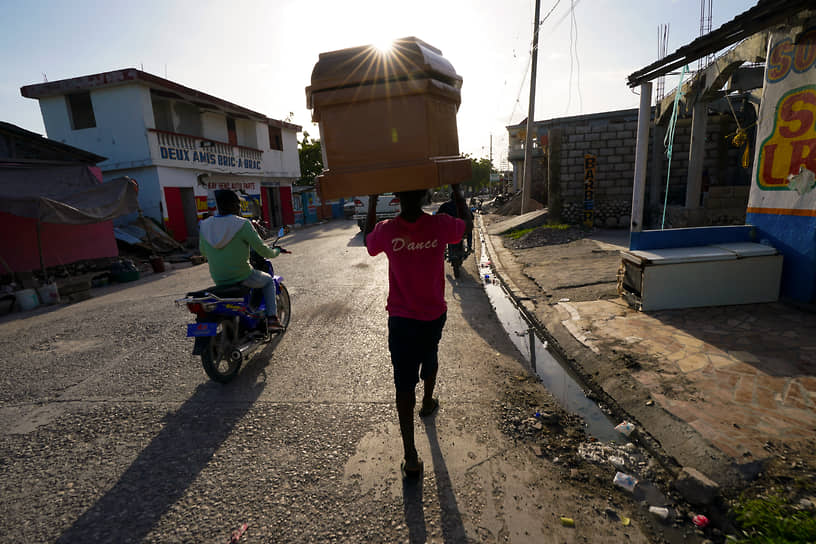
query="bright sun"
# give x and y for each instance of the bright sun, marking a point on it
(383, 45)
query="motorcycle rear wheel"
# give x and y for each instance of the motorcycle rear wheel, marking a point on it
(216, 355)
(284, 307)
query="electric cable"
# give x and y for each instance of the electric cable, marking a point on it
(668, 141)
(577, 62)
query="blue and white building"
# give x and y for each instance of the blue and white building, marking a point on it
(178, 143)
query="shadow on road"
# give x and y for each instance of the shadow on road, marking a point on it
(414, 513)
(453, 530)
(478, 311)
(172, 461)
(356, 240)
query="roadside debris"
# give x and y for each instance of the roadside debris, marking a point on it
(237, 534)
(660, 511)
(625, 481)
(700, 521)
(625, 428)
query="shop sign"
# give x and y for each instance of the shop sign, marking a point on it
(590, 163)
(247, 186)
(195, 157)
(786, 134)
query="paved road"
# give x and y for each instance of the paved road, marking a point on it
(111, 431)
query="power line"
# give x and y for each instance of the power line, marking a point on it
(529, 60)
(529, 54)
(574, 55)
(541, 22)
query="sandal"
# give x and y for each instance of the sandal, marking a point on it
(413, 473)
(426, 411)
(274, 325)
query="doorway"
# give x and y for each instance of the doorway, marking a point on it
(182, 219)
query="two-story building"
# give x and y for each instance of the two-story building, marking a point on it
(178, 143)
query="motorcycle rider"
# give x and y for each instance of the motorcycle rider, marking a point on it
(451, 209)
(225, 239)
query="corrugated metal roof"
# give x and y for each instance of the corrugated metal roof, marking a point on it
(765, 14)
(37, 141)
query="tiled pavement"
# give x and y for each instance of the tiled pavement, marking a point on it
(743, 377)
(740, 375)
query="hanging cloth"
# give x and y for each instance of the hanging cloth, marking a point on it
(668, 142)
(740, 137)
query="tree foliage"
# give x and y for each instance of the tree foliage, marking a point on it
(311, 160)
(481, 168)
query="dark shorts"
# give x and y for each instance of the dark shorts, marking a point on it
(413, 345)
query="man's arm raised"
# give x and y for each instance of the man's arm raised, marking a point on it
(371, 218)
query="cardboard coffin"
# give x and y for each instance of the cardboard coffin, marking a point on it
(387, 119)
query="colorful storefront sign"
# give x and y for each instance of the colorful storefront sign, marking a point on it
(782, 203)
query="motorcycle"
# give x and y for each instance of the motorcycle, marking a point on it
(263, 231)
(227, 318)
(456, 254)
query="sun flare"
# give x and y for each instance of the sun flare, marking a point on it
(384, 45)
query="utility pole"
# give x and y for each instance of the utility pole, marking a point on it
(527, 179)
(491, 162)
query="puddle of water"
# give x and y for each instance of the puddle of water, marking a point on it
(564, 386)
(555, 377)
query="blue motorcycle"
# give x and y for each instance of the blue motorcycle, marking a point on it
(227, 318)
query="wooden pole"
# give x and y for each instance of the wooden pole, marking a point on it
(527, 179)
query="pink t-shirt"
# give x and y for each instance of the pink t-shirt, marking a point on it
(416, 262)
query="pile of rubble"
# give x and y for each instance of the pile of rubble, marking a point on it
(510, 205)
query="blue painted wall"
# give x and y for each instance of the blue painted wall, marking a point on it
(795, 238)
(691, 237)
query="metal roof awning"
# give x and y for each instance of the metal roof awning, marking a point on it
(765, 14)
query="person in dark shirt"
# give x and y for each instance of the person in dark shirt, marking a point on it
(450, 208)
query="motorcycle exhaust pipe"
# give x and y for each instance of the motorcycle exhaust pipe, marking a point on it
(239, 352)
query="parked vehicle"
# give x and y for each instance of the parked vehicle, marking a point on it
(262, 228)
(226, 319)
(349, 209)
(387, 208)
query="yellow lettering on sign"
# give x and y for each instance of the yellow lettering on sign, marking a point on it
(792, 142)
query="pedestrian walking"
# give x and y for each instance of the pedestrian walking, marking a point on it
(414, 243)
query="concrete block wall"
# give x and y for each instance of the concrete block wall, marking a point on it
(612, 140)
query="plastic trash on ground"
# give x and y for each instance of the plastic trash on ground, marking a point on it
(700, 521)
(660, 511)
(625, 427)
(625, 481)
(567, 522)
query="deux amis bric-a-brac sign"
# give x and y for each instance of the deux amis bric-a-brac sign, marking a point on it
(786, 129)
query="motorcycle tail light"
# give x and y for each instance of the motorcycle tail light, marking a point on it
(394, 202)
(195, 308)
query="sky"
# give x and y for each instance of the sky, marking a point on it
(259, 54)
